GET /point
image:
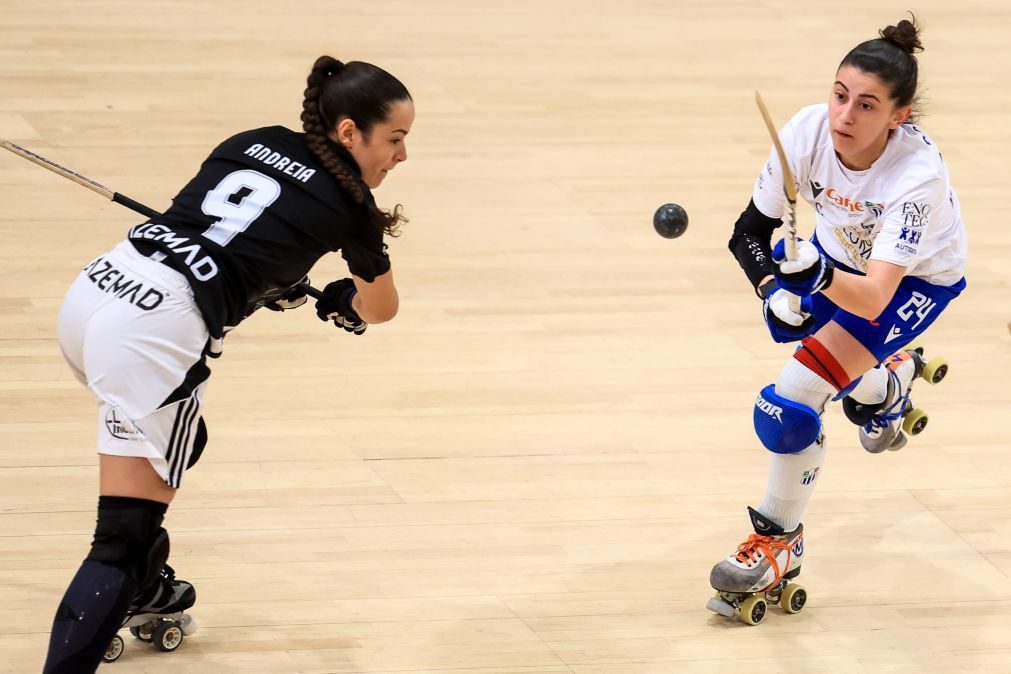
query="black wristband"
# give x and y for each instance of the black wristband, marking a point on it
(347, 304)
(767, 288)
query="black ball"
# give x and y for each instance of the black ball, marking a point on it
(670, 221)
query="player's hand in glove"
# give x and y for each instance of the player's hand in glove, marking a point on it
(335, 305)
(811, 272)
(785, 325)
(292, 298)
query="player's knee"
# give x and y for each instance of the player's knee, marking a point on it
(129, 536)
(785, 426)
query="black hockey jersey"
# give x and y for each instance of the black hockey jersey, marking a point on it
(255, 219)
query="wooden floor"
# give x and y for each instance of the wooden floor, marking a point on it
(533, 468)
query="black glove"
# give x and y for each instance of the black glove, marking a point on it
(335, 305)
(277, 299)
(293, 297)
(784, 324)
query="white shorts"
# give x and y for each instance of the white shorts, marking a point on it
(131, 333)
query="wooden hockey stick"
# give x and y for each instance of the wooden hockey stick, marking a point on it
(790, 189)
(98, 188)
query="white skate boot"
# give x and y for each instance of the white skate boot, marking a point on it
(758, 573)
(888, 424)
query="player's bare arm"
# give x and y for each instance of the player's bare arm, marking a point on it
(866, 296)
(378, 301)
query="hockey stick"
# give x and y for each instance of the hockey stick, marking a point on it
(790, 189)
(120, 199)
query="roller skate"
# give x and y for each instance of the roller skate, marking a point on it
(159, 618)
(759, 573)
(894, 420)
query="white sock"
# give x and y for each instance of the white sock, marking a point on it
(872, 387)
(792, 477)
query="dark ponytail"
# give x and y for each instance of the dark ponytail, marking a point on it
(363, 93)
(892, 58)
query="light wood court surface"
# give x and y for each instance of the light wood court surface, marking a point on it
(533, 468)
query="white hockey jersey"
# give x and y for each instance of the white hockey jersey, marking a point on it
(901, 210)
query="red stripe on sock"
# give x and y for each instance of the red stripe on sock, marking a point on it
(815, 357)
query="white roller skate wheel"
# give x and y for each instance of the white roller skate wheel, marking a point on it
(717, 605)
(114, 650)
(188, 624)
(168, 636)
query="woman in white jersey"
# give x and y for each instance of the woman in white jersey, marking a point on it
(887, 256)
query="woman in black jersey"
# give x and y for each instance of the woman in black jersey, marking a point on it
(140, 321)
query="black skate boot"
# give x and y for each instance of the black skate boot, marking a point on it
(159, 616)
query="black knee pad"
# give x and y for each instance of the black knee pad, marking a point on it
(129, 536)
(860, 413)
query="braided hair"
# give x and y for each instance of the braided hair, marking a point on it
(363, 93)
(892, 58)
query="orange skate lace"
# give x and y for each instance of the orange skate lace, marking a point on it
(767, 545)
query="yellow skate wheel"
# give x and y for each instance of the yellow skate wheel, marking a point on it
(915, 421)
(934, 370)
(753, 609)
(793, 599)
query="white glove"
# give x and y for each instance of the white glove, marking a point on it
(779, 304)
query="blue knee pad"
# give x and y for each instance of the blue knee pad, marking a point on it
(785, 426)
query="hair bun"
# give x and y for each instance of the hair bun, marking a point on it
(327, 65)
(906, 36)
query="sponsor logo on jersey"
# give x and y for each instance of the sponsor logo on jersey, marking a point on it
(110, 280)
(875, 208)
(844, 201)
(915, 215)
(858, 248)
(848, 204)
(911, 236)
(202, 267)
(774, 411)
(121, 428)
